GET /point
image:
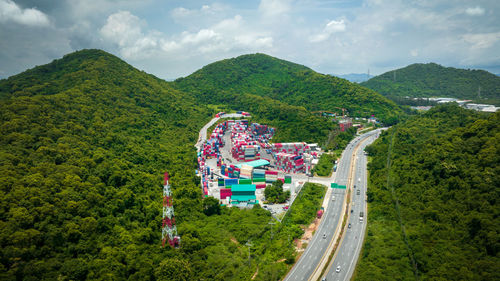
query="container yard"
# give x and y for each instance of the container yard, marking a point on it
(237, 161)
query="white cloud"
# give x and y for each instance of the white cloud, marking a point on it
(124, 29)
(10, 11)
(330, 28)
(474, 11)
(414, 52)
(271, 8)
(183, 15)
(482, 41)
(201, 36)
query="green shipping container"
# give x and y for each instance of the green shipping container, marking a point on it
(288, 180)
(259, 179)
(245, 181)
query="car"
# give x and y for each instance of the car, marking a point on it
(349, 225)
(352, 210)
(338, 269)
(358, 192)
(324, 235)
(324, 279)
(354, 186)
(333, 198)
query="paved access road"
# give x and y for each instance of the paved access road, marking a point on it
(202, 136)
(316, 251)
(348, 252)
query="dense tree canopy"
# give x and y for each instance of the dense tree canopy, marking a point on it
(275, 194)
(84, 142)
(279, 80)
(433, 199)
(433, 80)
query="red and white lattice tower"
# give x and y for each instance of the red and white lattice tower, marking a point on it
(169, 230)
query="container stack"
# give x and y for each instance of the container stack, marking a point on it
(259, 175)
(230, 182)
(307, 162)
(258, 129)
(297, 148)
(214, 142)
(288, 179)
(271, 176)
(225, 193)
(262, 134)
(220, 182)
(289, 163)
(246, 172)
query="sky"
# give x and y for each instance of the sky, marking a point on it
(172, 39)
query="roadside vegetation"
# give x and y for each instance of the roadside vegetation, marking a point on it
(275, 194)
(325, 165)
(84, 142)
(433, 199)
(305, 206)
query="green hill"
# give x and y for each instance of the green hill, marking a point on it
(84, 142)
(279, 80)
(434, 80)
(433, 199)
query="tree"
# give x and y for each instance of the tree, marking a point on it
(172, 269)
(275, 194)
(211, 206)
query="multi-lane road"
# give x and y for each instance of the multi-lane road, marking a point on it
(315, 257)
(351, 170)
(344, 262)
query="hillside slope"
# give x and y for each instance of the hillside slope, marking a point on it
(434, 212)
(84, 142)
(280, 80)
(433, 80)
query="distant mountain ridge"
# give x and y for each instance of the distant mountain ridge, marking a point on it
(266, 76)
(434, 80)
(355, 77)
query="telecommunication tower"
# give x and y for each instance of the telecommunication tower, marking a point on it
(169, 230)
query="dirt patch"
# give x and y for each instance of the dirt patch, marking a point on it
(234, 240)
(308, 234)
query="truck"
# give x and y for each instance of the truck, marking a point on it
(319, 214)
(361, 214)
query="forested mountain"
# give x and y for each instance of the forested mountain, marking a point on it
(84, 142)
(434, 199)
(279, 80)
(434, 80)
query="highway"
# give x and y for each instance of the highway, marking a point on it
(351, 170)
(348, 252)
(310, 264)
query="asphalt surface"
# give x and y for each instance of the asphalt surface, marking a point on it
(348, 252)
(350, 247)
(307, 263)
(202, 136)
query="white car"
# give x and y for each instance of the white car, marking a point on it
(333, 198)
(338, 269)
